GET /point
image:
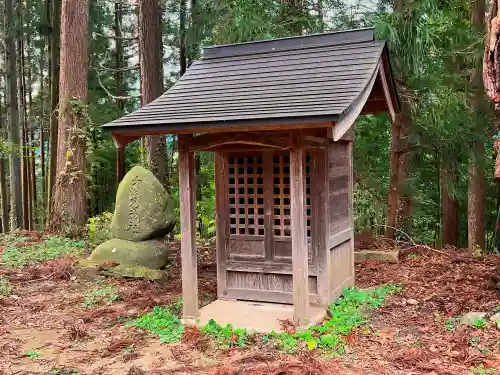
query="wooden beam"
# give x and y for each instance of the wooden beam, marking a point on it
(387, 92)
(221, 220)
(123, 139)
(205, 142)
(300, 262)
(319, 222)
(143, 130)
(187, 191)
(120, 164)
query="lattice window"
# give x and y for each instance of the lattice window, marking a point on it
(282, 203)
(246, 195)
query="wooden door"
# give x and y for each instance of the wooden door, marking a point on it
(255, 260)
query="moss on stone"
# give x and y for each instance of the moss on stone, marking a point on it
(143, 208)
(152, 254)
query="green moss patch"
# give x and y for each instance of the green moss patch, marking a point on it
(18, 254)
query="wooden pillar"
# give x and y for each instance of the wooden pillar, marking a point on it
(320, 221)
(120, 164)
(187, 192)
(300, 266)
(221, 220)
(351, 209)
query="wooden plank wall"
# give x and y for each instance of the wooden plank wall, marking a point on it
(341, 224)
(339, 186)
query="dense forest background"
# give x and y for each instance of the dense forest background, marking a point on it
(428, 177)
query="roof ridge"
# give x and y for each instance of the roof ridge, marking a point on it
(290, 43)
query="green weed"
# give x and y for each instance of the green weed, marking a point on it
(451, 323)
(348, 313)
(107, 294)
(162, 322)
(33, 355)
(17, 256)
(5, 287)
(413, 256)
(481, 370)
(99, 229)
(227, 336)
(479, 323)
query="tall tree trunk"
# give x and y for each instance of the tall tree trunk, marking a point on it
(42, 133)
(55, 23)
(4, 218)
(392, 206)
(13, 113)
(450, 206)
(31, 136)
(182, 42)
(119, 56)
(151, 62)
(194, 42)
(399, 210)
(292, 14)
(70, 195)
(476, 183)
(23, 139)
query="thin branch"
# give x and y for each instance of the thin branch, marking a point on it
(125, 69)
(135, 37)
(113, 96)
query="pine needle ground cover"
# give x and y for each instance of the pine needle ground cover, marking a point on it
(348, 313)
(102, 325)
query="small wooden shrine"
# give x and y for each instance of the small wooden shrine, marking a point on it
(278, 116)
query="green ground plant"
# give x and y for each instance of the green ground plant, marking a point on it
(162, 322)
(105, 295)
(481, 370)
(52, 247)
(99, 229)
(348, 313)
(451, 323)
(5, 287)
(226, 336)
(33, 355)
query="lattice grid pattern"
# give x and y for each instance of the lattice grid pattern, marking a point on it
(246, 195)
(282, 204)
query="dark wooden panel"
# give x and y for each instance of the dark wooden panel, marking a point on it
(266, 296)
(263, 267)
(242, 248)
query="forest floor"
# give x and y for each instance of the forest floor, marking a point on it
(55, 322)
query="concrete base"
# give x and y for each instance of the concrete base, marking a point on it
(384, 256)
(253, 316)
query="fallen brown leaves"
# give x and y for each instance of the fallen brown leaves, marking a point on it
(271, 364)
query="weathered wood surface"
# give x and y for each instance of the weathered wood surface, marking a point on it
(319, 222)
(299, 233)
(221, 220)
(187, 189)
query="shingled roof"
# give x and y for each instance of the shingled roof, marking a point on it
(326, 77)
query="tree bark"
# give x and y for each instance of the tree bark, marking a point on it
(13, 114)
(119, 56)
(4, 218)
(392, 206)
(23, 138)
(450, 206)
(476, 183)
(55, 23)
(151, 62)
(42, 133)
(70, 195)
(182, 42)
(194, 45)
